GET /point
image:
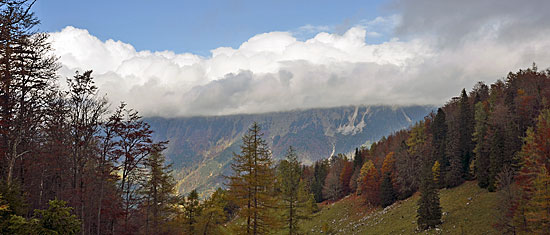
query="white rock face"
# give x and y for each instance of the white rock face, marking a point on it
(350, 128)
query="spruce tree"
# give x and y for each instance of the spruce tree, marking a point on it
(251, 186)
(466, 129)
(387, 194)
(57, 219)
(481, 149)
(357, 160)
(320, 172)
(496, 157)
(439, 132)
(429, 211)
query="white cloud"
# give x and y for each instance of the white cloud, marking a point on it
(277, 71)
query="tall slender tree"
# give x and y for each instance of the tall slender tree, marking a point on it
(27, 69)
(429, 211)
(289, 176)
(481, 150)
(158, 189)
(134, 145)
(192, 210)
(439, 143)
(85, 118)
(466, 116)
(251, 186)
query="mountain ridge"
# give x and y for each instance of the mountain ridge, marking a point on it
(201, 147)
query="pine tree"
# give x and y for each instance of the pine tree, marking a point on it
(191, 211)
(251, 186)
(289, 176)
(213, 215)
(429, 211)
(158, 189)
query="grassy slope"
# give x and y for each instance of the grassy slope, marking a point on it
(467, 210)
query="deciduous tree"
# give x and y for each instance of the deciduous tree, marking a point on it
(251, 186)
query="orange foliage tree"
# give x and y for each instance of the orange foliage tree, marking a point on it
(533, 212)
(369, 183)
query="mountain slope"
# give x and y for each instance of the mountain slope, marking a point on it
(201, 147)
(467, 209)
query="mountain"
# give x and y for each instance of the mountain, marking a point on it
(201, 148)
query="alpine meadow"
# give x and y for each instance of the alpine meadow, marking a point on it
(274, 117)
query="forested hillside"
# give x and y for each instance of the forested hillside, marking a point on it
(495, 134)
(201, 148)
(71, 165)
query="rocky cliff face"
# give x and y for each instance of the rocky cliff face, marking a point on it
(201, 148)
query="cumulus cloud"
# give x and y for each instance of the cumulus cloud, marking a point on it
(424, 61)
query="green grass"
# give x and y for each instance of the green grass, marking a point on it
(467, 209)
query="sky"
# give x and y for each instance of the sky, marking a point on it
(183, 58)
(199, 26)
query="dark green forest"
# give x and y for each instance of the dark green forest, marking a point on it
(73, 163)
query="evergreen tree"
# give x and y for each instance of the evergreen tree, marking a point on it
(158, 191)
(454, 174)
(439, 133)
(251, 186)
(213, 214)
(309, 205)
(320, 171)
(387, 194)
(57, 219)
(466, 117)
(481, 150)
(429, 211)
(357, 159)
(496, 156)
(289, 176)
(191, 211)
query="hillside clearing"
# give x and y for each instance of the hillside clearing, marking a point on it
(467, 209)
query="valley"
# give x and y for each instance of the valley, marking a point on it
(201, 148)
